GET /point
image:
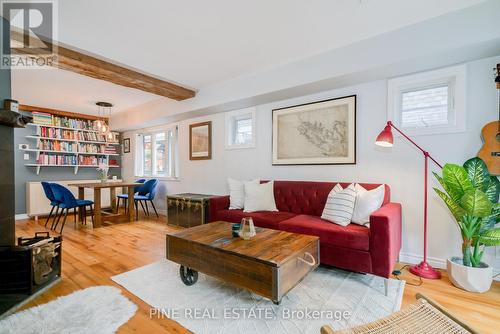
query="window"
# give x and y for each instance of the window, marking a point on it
(240, 128)
(430, 102)
(156, 153)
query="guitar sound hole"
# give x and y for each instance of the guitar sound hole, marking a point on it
(498, 137)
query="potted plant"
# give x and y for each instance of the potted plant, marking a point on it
(471, 194)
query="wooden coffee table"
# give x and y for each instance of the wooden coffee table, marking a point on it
(270, 264)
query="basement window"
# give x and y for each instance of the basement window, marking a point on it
(240, 128)
(429, 102)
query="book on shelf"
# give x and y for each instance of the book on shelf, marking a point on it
(56, 159)
(55, 133)
(54, 145)
(92, 160)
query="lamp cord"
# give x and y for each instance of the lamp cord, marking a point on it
(397, 273)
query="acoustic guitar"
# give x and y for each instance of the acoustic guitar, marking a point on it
(490, 152)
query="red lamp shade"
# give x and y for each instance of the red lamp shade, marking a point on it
(385, 138)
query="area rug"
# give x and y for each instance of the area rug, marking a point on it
(326, 296)
(98, 310)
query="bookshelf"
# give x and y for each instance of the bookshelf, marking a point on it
(70, 142)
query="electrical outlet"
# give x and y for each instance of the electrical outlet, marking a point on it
(26, 156)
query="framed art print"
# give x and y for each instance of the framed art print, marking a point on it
(316, 133)
(126, 145)
(200, 141)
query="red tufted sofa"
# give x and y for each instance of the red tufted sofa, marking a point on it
(357, 248)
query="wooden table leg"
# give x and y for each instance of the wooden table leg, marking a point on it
(81, 195)
(97, 207)
(131, 206)
(112, 199)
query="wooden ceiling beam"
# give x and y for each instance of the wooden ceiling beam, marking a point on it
(91, 66)
(25, 107)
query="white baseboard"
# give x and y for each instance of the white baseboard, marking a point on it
(22, 216)
(435, 262)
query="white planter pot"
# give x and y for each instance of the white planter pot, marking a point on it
(469, 278)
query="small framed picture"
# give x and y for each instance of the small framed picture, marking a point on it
(126, 145)
(200, 141)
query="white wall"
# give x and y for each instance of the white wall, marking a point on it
(401, 166)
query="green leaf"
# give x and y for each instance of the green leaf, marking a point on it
(457, 181)
(478, 173)
(455, 209)
(476, 203)
(493, 189)
(491, 237)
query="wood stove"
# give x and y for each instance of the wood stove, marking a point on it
(33, 263)
(28, 268)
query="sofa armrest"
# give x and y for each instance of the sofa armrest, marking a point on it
(217, 203)
(385, 238)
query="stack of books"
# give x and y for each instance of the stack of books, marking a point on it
(42, 118)
(110, 149)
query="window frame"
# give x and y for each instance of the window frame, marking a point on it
(171, 138)
(453, 77)
(231, 118)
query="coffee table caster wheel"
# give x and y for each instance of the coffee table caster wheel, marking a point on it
(277, 302)
(188, 275)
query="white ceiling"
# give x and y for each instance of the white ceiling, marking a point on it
(199, 43)
(64, 90)
(202, 43)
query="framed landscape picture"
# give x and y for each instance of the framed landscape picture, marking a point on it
(315, 133)
(200, 141)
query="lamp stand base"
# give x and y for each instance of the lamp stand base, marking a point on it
(425, 270)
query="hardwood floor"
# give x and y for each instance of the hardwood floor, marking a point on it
(91, 257)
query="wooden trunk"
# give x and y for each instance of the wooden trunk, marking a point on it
(187, 210)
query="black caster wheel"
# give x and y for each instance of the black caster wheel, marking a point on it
(188, 275)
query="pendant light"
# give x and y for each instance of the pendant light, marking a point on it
(104, 111)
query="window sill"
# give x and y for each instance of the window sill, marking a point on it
(159, 178)
(239, 147)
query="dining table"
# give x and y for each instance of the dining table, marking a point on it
(128, 188)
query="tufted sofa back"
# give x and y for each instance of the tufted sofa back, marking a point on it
(306, 197)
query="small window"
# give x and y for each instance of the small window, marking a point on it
(240, 128)
(430, 102)
(156, 154)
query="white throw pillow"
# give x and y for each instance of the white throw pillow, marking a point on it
(367, 202)
(340, 205)
(259, 197)
(237, 193)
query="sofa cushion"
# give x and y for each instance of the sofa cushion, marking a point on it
(351, 236)
(260, 218)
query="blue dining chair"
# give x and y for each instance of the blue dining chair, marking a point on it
(67, 201)
(146, 193)
(125, 196)
(50, 196)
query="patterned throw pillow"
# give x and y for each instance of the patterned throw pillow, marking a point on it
(340, 205)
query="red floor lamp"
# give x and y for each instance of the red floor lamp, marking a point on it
(386, 139)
